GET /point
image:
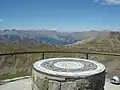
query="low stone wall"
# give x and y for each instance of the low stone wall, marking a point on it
(73, 80)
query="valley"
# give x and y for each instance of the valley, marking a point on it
(20, 65)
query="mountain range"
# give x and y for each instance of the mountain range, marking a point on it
(50, 37)
(39, 40)
(105, 42)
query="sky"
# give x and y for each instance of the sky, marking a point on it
(62, 15)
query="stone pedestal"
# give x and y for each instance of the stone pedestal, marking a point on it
(68, 74)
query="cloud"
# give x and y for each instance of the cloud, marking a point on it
(1, 20)
(108, 2)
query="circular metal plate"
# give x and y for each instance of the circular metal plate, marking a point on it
(70, 67)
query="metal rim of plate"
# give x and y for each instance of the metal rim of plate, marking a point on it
(68, 67)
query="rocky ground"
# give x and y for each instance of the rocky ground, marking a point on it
(25, 84)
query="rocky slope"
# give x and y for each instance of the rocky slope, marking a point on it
(106, 42)
(47, 36)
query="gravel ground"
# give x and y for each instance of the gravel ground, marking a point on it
(17, 85)
(26, 85)
(109, 86)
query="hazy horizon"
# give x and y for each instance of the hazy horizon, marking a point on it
(114, 30)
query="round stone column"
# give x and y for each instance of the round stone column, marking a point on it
(68, 74)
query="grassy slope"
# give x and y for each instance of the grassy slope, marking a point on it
(20, 66)
(109, 42)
